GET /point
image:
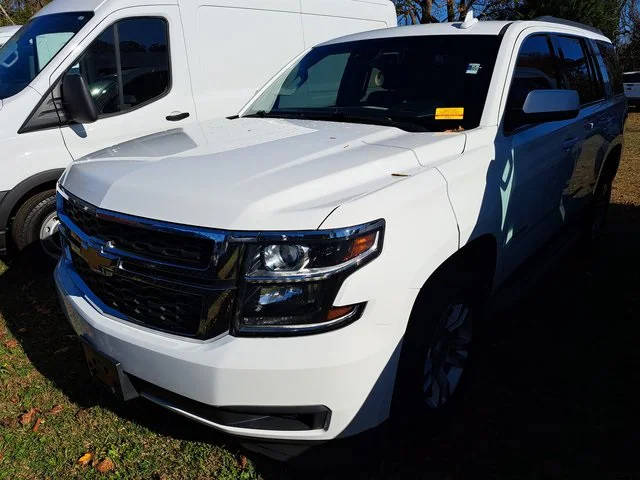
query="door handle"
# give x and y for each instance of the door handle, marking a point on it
(177, 116)
(589, 126)
(569, 143)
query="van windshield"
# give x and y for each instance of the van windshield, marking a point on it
(420, 83)
(33, 47)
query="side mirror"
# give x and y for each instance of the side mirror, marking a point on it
(550, 106)
(76, 99)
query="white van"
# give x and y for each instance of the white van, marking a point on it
(7, 32)
(86, 74)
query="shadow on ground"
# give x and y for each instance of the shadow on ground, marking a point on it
(552, 392)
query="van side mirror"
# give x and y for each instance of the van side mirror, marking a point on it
(76, 99)
(550, 106)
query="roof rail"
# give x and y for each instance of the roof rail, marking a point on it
(562, 21)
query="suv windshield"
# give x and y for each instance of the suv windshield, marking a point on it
(422, 83)
(33, 47)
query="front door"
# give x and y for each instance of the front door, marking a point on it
(137, 74)
(536, 160)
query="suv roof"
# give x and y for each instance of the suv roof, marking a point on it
(490, 27)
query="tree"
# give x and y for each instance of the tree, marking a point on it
(19, 11)
(607, 15)
(431, 11)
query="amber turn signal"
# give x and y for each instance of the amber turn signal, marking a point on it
(339, 312)
(361, 245)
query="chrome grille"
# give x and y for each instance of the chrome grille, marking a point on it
(150, 243)
(164, 276)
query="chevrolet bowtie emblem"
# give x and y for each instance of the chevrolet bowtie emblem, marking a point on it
(96, 261)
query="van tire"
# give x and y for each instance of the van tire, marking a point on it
(34, 220)
(432, 332)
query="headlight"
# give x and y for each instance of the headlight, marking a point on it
(291, 279)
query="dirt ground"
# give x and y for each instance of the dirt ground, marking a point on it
(554, 390)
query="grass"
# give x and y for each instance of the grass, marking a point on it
(551, 394)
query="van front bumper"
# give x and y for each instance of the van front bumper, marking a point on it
(337, 383)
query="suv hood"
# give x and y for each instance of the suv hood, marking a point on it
(252, 174)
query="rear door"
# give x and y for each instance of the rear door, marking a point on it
(137, 74)
(579, 72)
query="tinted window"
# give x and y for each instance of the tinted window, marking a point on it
(33, 47)
(536, 69)
(142, 73)
(434, 83)
(321, 89)
(610, 58)
(144, 54)
(575, 69)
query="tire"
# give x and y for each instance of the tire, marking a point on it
(437, 349)
(36, 224)
(599, 210)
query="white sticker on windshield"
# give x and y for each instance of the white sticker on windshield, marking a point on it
(473, 68)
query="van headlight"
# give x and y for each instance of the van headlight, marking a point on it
(291, 279)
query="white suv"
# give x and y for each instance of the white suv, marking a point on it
(267, 274)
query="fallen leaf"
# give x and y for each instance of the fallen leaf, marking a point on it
(105, 466)
(27, 418)
(13, 343)
(61, 350)
(56, 409)
(22, 330)
(37, 424)
(14, 399)
(243, 462)
(85, 459)
(43, 310)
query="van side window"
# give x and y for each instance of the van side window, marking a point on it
(536, 69)
(575, 69)
(127, 65)
(612, 63)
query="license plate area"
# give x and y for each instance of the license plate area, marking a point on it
(108, 372)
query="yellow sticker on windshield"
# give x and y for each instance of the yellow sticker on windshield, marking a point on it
(449, 113)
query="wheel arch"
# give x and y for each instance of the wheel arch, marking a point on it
(481, 254)
(610, 164)
(27, 188)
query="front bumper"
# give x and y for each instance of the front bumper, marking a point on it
(349, 372)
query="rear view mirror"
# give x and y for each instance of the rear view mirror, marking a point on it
(76, 99)
(550, 106)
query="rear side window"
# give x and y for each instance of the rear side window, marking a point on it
(536, 69)
(127, 65)
(576, 70)
(612, 63)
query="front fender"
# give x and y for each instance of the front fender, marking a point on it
(421, 234)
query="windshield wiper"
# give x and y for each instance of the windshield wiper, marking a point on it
(341, 114)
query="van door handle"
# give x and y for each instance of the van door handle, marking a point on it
(589, 126)
(569, 143)
(177, 116)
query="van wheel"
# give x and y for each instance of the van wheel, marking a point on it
(36, 222)
(437, 348)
